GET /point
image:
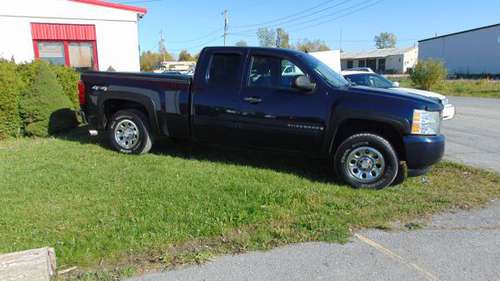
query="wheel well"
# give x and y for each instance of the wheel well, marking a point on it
(355, 126)
(112, 106)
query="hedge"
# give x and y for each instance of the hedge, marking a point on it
(10, 86)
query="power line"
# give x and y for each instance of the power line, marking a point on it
(306, 14)
(318, 21)
(211, 33)
(363, 7)
(285, 17)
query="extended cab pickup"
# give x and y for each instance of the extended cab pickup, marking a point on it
(270, 99)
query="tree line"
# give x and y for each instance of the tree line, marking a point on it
(267, 37)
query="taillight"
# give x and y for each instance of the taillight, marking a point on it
(81, 92)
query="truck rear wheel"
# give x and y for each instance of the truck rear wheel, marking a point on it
(128, 132)
(366, 161)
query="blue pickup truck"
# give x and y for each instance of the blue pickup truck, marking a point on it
(268, 98)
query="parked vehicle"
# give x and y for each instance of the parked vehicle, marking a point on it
(378, 81)
(361, 69)
(240, 97)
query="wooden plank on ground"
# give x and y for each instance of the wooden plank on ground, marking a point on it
(31, 265)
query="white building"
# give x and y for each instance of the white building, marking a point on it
(475, 51)
(390, 60)
(85, 34)
(330, 58)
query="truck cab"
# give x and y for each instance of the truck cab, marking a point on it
(247, 97)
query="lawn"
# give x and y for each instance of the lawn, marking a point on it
(464, 88)
(101, 209)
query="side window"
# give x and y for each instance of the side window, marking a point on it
(272, 72)
(224, 69)
(360, 80)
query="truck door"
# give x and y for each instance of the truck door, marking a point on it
(276, 114)
(216, 104)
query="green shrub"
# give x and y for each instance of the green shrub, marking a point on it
(68, 78)
(428, 74)
(44, 108)
(9, 100)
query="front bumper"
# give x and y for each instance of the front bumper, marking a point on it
(448, 112)
(423, 151)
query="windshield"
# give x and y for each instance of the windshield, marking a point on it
(332, 77)
(370, 80)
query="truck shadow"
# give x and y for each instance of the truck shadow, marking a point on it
(313, 169)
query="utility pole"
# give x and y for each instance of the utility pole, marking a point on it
(226, 25)
(161, 46)
(340, 40)
(278, 38)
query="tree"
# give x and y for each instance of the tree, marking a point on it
(385, 40)
(282, 38)
(241, 43)
(151, 60)
(184, 55)
(266, 37)
(311, 46)
(428, 74)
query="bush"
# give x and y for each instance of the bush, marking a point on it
(428, 74)
(10, 86)
(44, 108)
(68, 78)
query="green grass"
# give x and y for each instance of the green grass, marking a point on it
(101, 209)
(464, 88)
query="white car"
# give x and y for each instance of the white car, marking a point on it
(363, 78)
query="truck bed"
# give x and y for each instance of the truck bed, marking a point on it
(164, 97)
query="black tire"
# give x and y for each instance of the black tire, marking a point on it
(349, 169)
(141, 141)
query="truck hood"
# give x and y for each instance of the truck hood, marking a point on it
(430, 102)
(422, 93)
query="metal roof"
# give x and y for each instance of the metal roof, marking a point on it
(377, 53)
(101, 3)
(460, 32)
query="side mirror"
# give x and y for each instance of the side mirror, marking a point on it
(395, 84)
(303, 82)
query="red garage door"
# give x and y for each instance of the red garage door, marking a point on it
(66, 44)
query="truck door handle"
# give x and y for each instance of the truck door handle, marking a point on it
(253, 100)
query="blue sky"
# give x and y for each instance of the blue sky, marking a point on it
(193, 24)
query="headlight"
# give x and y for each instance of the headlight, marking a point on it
(426, 122)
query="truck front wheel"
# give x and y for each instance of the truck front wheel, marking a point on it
(366, 161)
(128, 132)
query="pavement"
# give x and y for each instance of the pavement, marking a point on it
(462, 245)
(473, 136)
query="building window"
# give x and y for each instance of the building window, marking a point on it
(350, 64)
(381, 65)
(361, 63)
(52, 52)
(81, 55)
(66, 44)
